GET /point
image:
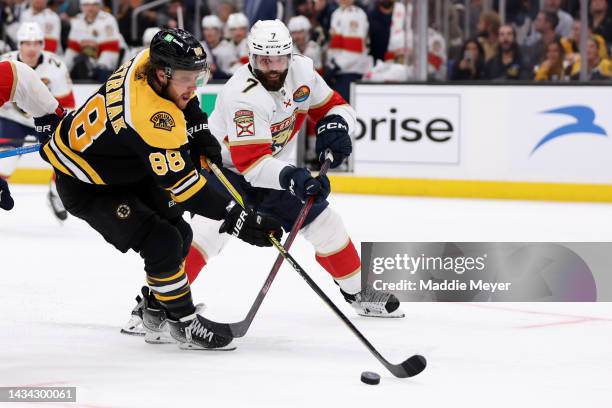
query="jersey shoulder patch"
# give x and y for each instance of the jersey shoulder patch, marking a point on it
(158, 121)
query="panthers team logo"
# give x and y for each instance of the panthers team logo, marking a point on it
(301, 94)
(162, 120)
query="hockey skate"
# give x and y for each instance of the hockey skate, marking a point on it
(371, 303)
(154, 319)
(56, 203)
(193, 332)
(134, 326)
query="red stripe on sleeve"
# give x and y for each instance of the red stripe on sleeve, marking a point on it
(317, 113)
(244, 60)
(244, 156)
(434, 60)
(74, 45)
(67, 101)
(389, 56)
(6, 81)
(50, 44)
(111, 46)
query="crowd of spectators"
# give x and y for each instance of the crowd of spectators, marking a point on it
(348, 40)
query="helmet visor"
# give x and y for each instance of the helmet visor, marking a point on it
(269, 63)
(187, 78)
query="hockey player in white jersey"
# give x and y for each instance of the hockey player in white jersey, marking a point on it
(16, 124)
(299, 27)
(49, 22)
(257, 116)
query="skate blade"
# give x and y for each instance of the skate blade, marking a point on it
(158, 338)
(132, 332)
(392, 315)
(190, 346)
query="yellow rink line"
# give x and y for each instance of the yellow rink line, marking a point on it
(428, 187)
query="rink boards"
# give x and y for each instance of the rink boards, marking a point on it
(491, 141)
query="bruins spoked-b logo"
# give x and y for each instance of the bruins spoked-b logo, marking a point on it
(162, 120)
(123, 211)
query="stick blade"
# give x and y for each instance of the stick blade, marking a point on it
(409, 368)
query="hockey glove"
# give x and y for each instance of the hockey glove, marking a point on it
(299, 182)
(46, 125)
(250, 226)
(201, 141)
(332, 133)
(6, 201)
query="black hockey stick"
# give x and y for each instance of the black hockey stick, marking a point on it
(239, 329)
(409, 368)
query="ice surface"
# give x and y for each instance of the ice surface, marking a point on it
(65, 293)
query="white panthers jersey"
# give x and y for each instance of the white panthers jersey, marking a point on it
(224, 56)
(312, 51)
(54, 74)
(103, 32)
(240, 53)
(258, 127)
(347, 45)
(50, 25)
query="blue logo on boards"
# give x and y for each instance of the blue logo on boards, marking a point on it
(585, 123)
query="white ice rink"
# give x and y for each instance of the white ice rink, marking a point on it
(65, 293)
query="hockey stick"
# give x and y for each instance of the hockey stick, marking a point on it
(409, 368)
(20, 150)
(239, 329)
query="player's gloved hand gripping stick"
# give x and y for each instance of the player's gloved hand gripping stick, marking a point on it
(409, 368)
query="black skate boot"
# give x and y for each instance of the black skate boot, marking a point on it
(371, 303)
(154, 320)
(194, 332)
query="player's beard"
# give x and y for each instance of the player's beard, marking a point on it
(272, 85)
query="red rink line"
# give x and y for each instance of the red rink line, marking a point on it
(570, 319)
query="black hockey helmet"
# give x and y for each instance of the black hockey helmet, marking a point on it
(177, 49)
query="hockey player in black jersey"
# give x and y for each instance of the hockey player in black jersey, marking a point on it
(123, 164)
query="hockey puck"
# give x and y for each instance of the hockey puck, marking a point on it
(369, 377)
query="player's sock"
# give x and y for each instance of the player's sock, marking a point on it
(345, 266)
(172, 291)
(194, 263)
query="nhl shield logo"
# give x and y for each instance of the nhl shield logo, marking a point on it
(162, 120)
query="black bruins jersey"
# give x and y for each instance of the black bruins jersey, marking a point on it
(124, 133)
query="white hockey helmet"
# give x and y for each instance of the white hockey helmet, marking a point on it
(237, 20)
(30, 32)
(148, 35)
(212, 21)
(270, 37)
(299, 23)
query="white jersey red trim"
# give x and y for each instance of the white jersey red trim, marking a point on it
(103, 31)
(19, 83)
(347, 45)
(258, 127)
(53, 73)
(50, 25)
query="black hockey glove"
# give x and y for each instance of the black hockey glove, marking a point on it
(250, 226)
(6, 201)
(332, 133)
(299, 182)
(201, 141)
(46, 125)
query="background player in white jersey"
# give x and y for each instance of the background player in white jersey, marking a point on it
(299, 27)
(49, 22)
(237, 27)
(221, 52)
(93, 43)
(16, 124)
(257, 115)
(20, 84)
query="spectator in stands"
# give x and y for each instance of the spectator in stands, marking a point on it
(323, 10)
(147, 36)
(488, 29)
(221, 52)
(471, 66)
(571, 44)
(380, 20)
(598, 68)
(145, 19)
(93, 43)
(552, 67)
(347, 55)
(545, 24)
(299, 27)
(564, 27)
(256, 10)
(49, 22)
(508, 64)
(601, 21)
